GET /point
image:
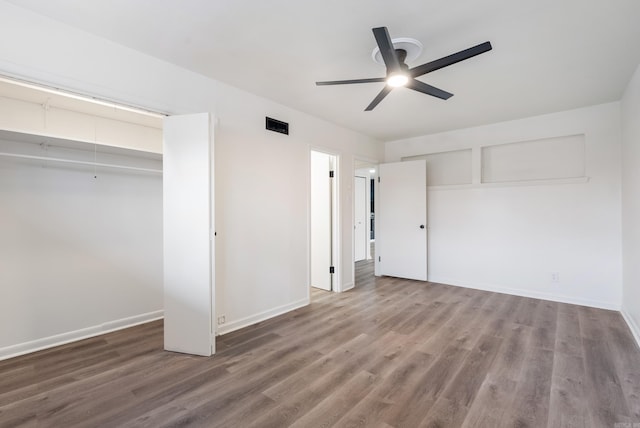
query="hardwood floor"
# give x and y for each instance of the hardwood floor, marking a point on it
(390, 353)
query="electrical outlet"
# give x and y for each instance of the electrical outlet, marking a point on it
(221, 319)
(555, 277)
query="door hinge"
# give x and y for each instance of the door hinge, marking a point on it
(378, 179)
(379, 259)
(332, 269)
(331, 174)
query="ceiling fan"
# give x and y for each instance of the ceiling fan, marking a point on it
(399, 74)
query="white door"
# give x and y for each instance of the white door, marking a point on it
(188, 222)
(401, 220)
(321, 220)
(360, 219)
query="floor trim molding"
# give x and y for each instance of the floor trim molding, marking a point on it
(635, 329)
(262, 316)
(347, 287)
(532, 294)
(73, 336)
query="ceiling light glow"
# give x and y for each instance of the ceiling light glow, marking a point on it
(396, 80)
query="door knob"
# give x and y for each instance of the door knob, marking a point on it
(422, 226)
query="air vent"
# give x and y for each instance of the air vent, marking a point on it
(277, 126)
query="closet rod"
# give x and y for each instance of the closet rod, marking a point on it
(106, 165)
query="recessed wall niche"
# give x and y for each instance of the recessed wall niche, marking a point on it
(544, 159)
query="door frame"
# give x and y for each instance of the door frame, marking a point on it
(336, 238)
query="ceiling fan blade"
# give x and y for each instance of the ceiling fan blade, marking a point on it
(383, 93)
(419, 86)
(348, 82)
(386, 49)
(450, 59)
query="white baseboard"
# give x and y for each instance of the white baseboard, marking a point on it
(633, 326)
(262, 316)
(347, 287)
(73, 336)
(527, 293)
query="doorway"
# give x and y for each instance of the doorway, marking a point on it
(364, 191)
(360, 239)
(323, 221)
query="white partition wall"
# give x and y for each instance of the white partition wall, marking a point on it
(188, 233)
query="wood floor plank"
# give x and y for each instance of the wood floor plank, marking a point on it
(607, 402)
(297, 396)
(393, 388)
(449, 413)
(545, 325)
(568, 400)
(109, 407)
(16, 417)
(488, 408)
(330, 410)
(423, 391)
(501, 320)
(466, 383)
(451, 408)
(210, 402)
(510, 359)
(390, 353)
(318, 369)
(498, 388)
(568, 336)
(530, 404)
(460, 328)
(527, 311)
(389, 393)
(369, 412)
(591, 323)
(627, 365)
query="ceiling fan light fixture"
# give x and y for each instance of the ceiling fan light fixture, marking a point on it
(397, 79)
(394, 55)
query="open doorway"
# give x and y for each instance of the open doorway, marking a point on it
(323, 222)
(364, 191)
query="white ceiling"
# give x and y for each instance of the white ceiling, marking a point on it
(548, 55)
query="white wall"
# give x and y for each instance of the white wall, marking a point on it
(262, 203)
(631, 204)
(78, 255)
(262, 178)
(512, 237)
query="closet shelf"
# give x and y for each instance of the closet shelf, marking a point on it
(79, 162)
